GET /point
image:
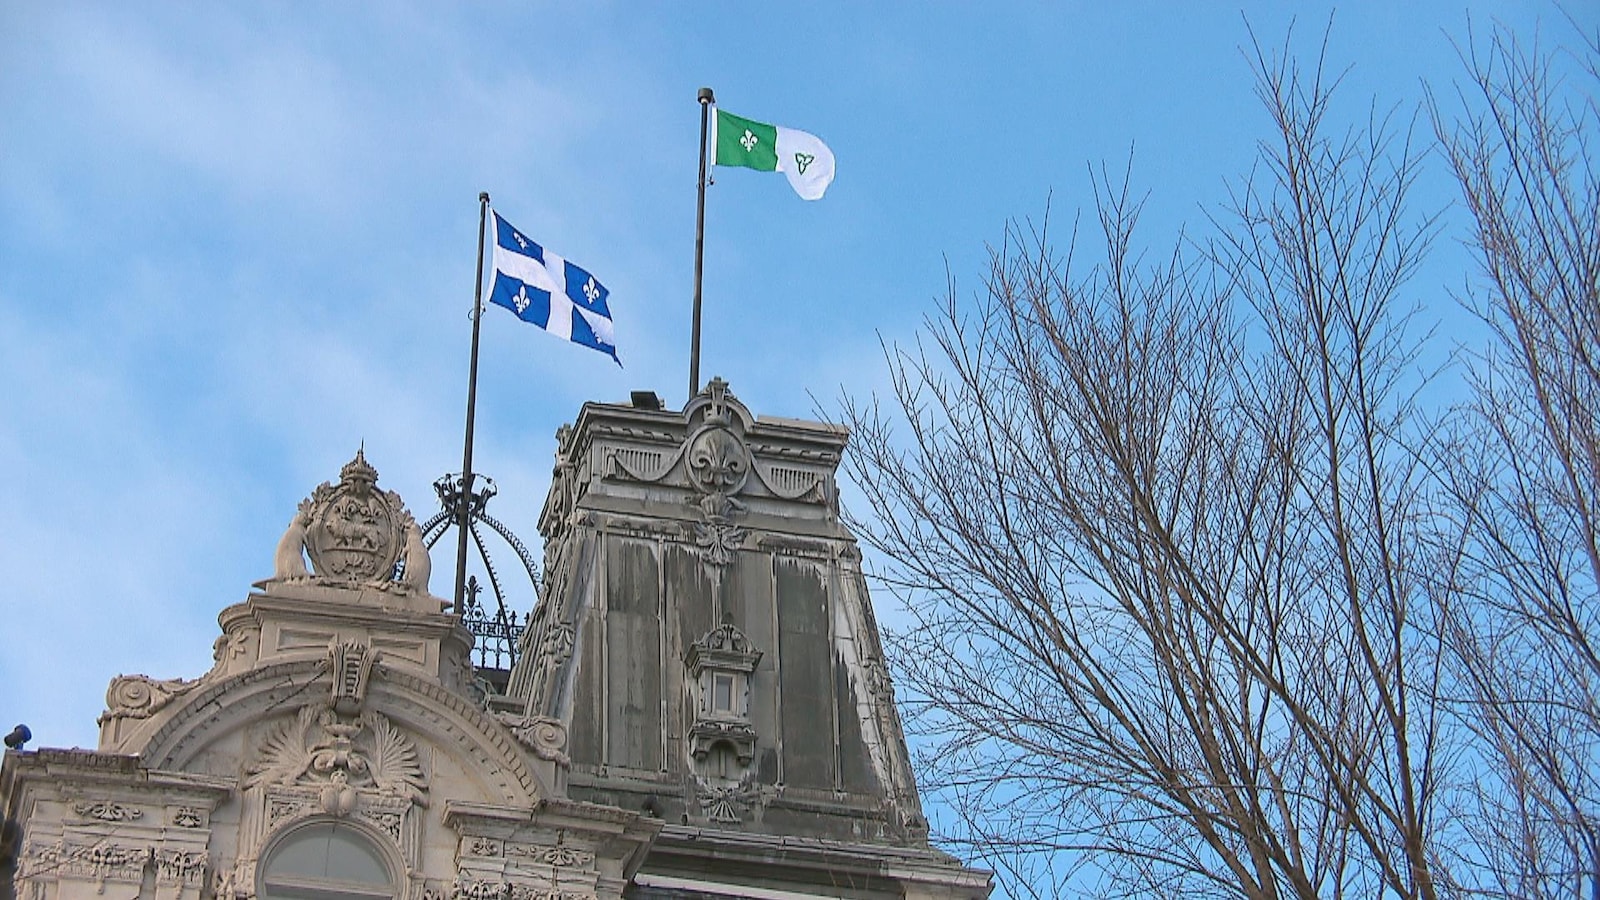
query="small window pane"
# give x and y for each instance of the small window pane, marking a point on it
(722, 693)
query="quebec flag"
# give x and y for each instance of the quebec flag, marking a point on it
(546, 290)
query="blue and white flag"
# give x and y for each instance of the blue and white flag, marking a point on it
(547, 291)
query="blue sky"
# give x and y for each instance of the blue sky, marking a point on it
(237, 241)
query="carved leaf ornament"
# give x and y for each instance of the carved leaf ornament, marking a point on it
(343, 756)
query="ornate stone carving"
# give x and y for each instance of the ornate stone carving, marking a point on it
(706, 733)
(187, 817)
(101, 861)
(225, 646)
(355, 528)
(140, 696)
(182, 865)
(351, 664)
(472, 889)
(554, 649)
(557, 643)
(289, 560)
(718, 466)
(222, 883)
(418, 565)
(720, 664)
(386, 820)
(546, 737)
(354, 533)
(285, 807)
(559, 856)
(725, 645)
(107, 811)
(719, 542)
(726, 803)
(878, 681)
(343, 757)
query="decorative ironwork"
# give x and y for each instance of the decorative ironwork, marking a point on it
(497, 635)
(497, 630)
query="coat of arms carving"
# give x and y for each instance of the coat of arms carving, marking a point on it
(354, 532)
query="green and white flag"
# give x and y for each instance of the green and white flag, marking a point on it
(772, 148)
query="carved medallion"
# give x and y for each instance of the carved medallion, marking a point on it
(354, 530)
(719, 464)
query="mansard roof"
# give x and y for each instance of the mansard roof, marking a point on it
(705, 633)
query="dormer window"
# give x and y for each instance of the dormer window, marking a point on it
(720, 666)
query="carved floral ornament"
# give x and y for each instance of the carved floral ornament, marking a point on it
(111, 861)
(354, 533)
(107, 811)
(560, 856)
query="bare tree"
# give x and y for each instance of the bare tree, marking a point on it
(1523, 601)
(1160, 529)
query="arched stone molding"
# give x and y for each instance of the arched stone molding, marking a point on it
(481, 744)
(212, 709)
(430, 712)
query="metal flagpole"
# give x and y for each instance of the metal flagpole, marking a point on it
(706, 99)
(464, 497)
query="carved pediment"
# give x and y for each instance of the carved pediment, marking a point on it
(723, 648)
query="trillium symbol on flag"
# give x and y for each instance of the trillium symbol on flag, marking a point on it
(800, 155)
(545, 290)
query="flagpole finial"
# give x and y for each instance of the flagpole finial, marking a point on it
(483, 196)
(706, 96)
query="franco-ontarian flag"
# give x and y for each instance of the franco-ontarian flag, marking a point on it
(772, 148)
(546, 290)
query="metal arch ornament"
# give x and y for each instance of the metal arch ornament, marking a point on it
(498, 632)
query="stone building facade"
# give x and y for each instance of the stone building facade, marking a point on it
(700, 708)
